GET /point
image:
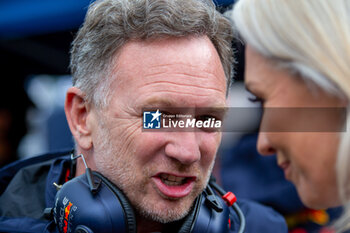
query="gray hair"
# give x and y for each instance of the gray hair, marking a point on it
(109, 24)
(311, 38)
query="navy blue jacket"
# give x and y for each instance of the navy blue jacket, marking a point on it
(26, 189)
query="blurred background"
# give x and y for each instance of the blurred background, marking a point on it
(35, 37)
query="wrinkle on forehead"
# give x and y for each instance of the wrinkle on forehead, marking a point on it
(187, 68)
(186, 89)
(147, 58)
(179, 100)
(169, 84)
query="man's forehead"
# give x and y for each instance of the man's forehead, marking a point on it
(192, 63)
(198, 52)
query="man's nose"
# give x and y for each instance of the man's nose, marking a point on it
(184, 147)
(264, 145)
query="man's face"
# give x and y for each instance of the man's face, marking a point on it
(160, 172)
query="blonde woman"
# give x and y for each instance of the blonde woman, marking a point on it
(298, 57)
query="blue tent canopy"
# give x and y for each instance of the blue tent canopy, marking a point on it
(31, 17)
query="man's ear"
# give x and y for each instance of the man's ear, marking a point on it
(77, 111)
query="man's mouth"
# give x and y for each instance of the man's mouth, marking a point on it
(173, 185)
(172, 180)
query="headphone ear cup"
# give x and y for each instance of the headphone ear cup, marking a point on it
(79, 209)
(83, 229)
(128, 210)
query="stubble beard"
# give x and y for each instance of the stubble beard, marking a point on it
(182, 208)
(118, 168)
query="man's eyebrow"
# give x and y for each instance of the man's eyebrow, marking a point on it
(153, 102)
(164, 102)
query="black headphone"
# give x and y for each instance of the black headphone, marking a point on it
(91, 203)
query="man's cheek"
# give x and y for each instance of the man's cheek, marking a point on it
(147, 145)
(210, 146)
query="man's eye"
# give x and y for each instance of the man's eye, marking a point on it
(165, 112)
(206, 117)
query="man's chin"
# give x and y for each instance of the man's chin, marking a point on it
(165, 211)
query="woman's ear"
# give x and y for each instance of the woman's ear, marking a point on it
(77, 111)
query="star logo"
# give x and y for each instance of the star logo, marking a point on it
(156, 115)
(151, 120)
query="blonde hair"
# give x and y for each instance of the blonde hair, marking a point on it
(311, 38)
